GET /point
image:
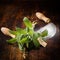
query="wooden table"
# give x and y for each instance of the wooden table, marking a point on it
(11, 15)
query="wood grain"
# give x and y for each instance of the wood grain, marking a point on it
(11, 15)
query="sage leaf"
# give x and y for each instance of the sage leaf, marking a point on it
(35, 41)
(44, 33)
(27, 22)
(24, 40)
(20, 30)
(13, 32)
(20, 46)
(13, 40)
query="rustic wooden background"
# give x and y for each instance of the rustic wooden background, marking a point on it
(11, 15)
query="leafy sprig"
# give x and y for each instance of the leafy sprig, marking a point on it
(23, 37)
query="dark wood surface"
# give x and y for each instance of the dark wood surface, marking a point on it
(11, 15)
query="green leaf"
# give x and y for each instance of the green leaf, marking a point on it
(27, 22)
(24, 40)
(13, 32)
(20, 46)
(29, 31)
(44, 33)
(35, 41)
(21, 31)
(19, 37)
(11, 40)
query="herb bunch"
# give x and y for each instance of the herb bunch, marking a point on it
(27, 37)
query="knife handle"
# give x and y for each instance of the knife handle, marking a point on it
(42, 17)
(5, 31)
